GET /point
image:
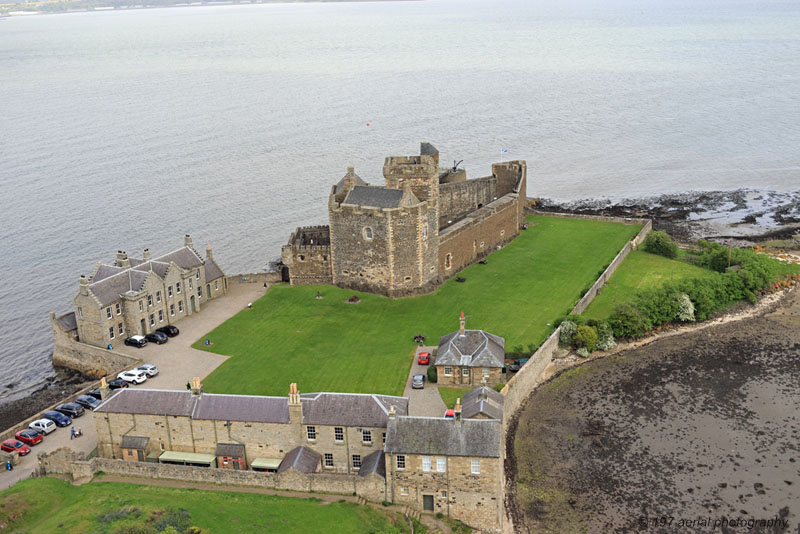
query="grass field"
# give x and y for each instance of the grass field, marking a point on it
(449, 395)
(640, 270)
(329, 345)
(52, 505)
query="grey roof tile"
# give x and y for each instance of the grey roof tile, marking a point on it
(444, 437)
(67, 322)
(215, 407)
(231, 450)
(185, 257)
(359, 181)
(158, 267)
(374, 197)
(373, 463)
(350, 409)
(135, 442)
(104, 271)
(427, 149)
(212, 270)
(301, 458)
(150, 402)
(475, 348)
(109, 289)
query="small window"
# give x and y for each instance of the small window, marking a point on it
(441, 465)
(190, 284)
(141, 305)
(108, 312)
(200, 292)
(149, 300)
(407, 278)
(177, 287)
(160, 316)
(111, 333)
(368, 233)
(80, 312)
(502, 232)
(401, 461)
(383, 438)
(366, 436)
(118, 309)
(152, 319)
(465, 371)
(324, 257)
(158, 296)
(197, 275)
(216, 285)
(311, 432)
(129, 452)
(404, 490)
(338, 434)
(426, 463)
(169, 291)
(448, 261)
(301, 257)
(328, 459)
(448, 371)
(475, 467)
(485, 372)
(180, 306)
(481, 244)
(119, 327)
(444, 494)
(356, 461)
(172, 309)
(425, 230)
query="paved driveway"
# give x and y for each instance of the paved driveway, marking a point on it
(424, 402)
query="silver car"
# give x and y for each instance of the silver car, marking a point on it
(43, 426)
(147, 368)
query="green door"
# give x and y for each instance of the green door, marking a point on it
(427, 503)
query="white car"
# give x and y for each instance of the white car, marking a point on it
(43, 426)
(134, 376)
(148, 369)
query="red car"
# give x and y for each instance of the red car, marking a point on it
(424, 358)
(29, 437)
(11, 445)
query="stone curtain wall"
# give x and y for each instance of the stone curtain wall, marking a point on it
(71, 353)
(309, 264)
(460, 198)
(253, 278)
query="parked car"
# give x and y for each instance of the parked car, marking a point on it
(136, 341)
(94, 393)
(134, 377)
(11, 445)
(88, 401)
(512, 367)
(58, 418)
(148, 369)
(159, 338)
(449, 414)
(117, 383)
(424, 358)
(71, 409)
(169, 330)
(29, 437)
(418, 382)
(42, 426)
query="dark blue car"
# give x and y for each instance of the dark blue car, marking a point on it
(58, 418)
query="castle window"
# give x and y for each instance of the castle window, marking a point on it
(80, 312)
(199, 292)
(401, 461)
(502, 232)
(481, 244)
(328, 459)
(366, 437)
(301, 257)
(475, 466)
(324, 257)
(149, 300)
(356, 461)
(158, 296)
(425, 231)
(338, 434)
(118, 309)
(426, 463)
(172, 309)
(180, 306)
(141, 305)
(177, 287)
(448, 261)
(311, 433)
(441, 465)
(367, 233)
(216, 285)
(448, 371)
(474, 245)
(111, 333)
(108, 312)
(169, 291)
(383, 438)
(190, 284)
(197, 274)
(407, 278)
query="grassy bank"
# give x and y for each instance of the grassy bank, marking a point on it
(51, 505)
(329, 345)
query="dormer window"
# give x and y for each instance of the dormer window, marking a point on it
(367, 233)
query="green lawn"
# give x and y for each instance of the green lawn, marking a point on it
(52, 505)
(329, 345)
(449, 395)
(640, 270)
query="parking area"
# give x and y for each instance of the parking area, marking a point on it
(423, 402)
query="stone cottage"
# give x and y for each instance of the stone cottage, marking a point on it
(470, 357)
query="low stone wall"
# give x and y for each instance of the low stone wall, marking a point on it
(70, 353)
(253, 278)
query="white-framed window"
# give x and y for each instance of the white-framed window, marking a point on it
(120, 329)
(448, 371)
(149, 300)
(172, 309)
(141, 305)
(328, 459)
(216, 282)
(158, 296)
(356, 461)
(108, 312)
(400, 460)
(475, 467)
(177, 287)
(80, 312)
(444, 494)
(199, 292)
(111, 333)
(485, 372)
(338, 434)
(169, 291)
(197, 275)
(152, 319)
(311, 433)
(180, 306)
(465, 371)
(160, 316)
(441, 465)
(426, 464)
(404, 490)
(190, 284)
(118, 308)
(368, 233)
(448, 261)
(366, 436)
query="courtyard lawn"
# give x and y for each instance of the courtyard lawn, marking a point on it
(449, 395)
(640, 270)
(330, 345)
(52, 505)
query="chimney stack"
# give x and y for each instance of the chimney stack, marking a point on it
(187, 241)
(146, 256)
(462, 322)
(295, 405)
(482, 395)
(84, 286)
(350, 178)
(209, 254)
(104, 391)
(122, 260)
(457, 412)
(392, 412)
(197, 388)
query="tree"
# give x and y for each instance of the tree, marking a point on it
(586, 337)
(660, 243)
(628, 321)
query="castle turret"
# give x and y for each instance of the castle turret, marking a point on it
(422, 172)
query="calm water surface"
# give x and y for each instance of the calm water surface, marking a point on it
(129, 129)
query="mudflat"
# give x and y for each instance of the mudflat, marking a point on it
(669, 437)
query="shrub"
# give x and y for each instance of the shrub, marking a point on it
(433, 375)
(605, 336)
(660, 243)
(498, 387)
(586, 337)
(627, 321)
(180, 520)
(122, 513)
(685, 308)
(567, 334)
(583, 352)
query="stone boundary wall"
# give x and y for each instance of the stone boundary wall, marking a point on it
(273, 277)
(65, 461)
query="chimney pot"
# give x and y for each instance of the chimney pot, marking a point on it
(457, 411)
(392, 412)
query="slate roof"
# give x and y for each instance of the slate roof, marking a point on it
(475, 348)
(185, 257)
(374, 197)
(67, 322)
(104, 271)
(359, 181)
(373, 463)
(212, 270)
(482, 401)
(134, 442)
(443, 437)
(301, 458)
(149, 402)
(350, 409)
(109, 289)
(215, 407)
(427, 149)
(231, 450)
(158, 267)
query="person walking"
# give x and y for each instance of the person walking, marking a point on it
(71, 433)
